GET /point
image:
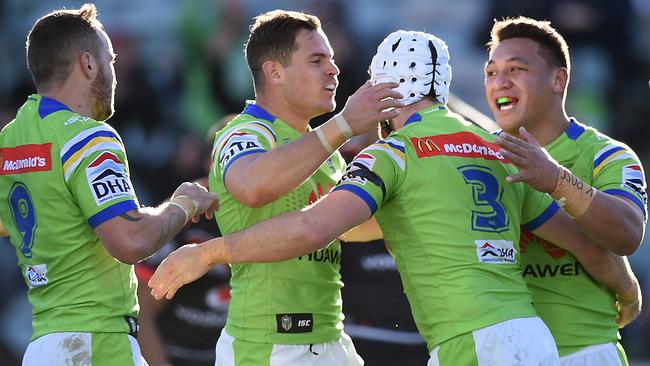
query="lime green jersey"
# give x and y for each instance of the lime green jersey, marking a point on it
(579, 311)
(438, 189)
(62, 175)
(296, 301)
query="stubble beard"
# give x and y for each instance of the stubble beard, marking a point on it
(102, 92)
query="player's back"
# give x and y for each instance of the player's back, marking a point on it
(453, 225)
(54, 198)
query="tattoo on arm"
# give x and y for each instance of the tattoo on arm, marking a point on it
(131, 218)
(169, 225)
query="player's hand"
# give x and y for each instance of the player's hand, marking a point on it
(369, 104)
(206, 202)
(181, 267)
(628, 307)
(536, 166)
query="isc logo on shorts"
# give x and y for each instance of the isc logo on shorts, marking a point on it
(295, 323)
(496, 251)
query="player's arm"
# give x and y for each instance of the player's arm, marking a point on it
(604, 266)
(367, 231)
(260, 178)
(591, 208)
(285, 236)
(137, 234)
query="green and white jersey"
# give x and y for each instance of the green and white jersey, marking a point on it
(437, 188)
(579, 311)
(297, 301)
(61, 175)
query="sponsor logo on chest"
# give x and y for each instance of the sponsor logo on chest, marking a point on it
(25, 159)
(107, 178)
(496, 251)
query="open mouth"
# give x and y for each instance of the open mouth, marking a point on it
(506, 103)
(330, 87)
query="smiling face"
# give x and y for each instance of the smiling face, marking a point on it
(310, 80)
(520, 85)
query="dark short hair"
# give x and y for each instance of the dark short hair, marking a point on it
(273, 37)
(552, 46)
(56, 39)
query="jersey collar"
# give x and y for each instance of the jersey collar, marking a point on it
(48, 106)
(258, 112)
(417, 116)
(575, 129)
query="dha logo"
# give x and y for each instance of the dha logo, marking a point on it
(496, 251)
(108, 179)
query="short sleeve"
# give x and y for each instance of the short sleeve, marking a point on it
(538, 208)
(96, 172)
(241, 140)
(618, 171)
(376, 173)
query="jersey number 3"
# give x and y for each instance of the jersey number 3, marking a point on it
(489, 214)
(22, 210)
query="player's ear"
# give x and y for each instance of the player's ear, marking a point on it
(560, 79)
(273, 72)
(89, 65)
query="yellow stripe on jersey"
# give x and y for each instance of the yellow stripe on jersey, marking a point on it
(618, 155)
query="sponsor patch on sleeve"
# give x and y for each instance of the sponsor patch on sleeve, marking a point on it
(108, 179)
(236, 144)
(633, 179)
(496, 251)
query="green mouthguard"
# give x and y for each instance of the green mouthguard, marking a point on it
(503, 100)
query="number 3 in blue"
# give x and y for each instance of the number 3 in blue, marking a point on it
(22, 209)
(489, 214)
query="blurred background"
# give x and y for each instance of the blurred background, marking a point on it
(180, 68)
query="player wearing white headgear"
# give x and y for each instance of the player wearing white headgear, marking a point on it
(437, 189)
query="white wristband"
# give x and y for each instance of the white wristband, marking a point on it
(344, 126)
(323, 141)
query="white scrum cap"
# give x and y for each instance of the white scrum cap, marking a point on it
(418, 61)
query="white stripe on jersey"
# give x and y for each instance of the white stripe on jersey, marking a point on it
(85, 133)
(99, 147)
(398, 160)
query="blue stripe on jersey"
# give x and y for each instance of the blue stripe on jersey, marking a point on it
(49, 106)
(575, 130)
(256, 151)
(365, 196)
(258, 112)
(76, 147)
(628, 195)
(543, 217)
(266, 128)
(416, 117)
(110, 212)
(607, 154)
(394, 146)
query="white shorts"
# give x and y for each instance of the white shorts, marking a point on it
(607, 354)
(84, 349)
(514, 342)
(338, 353)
